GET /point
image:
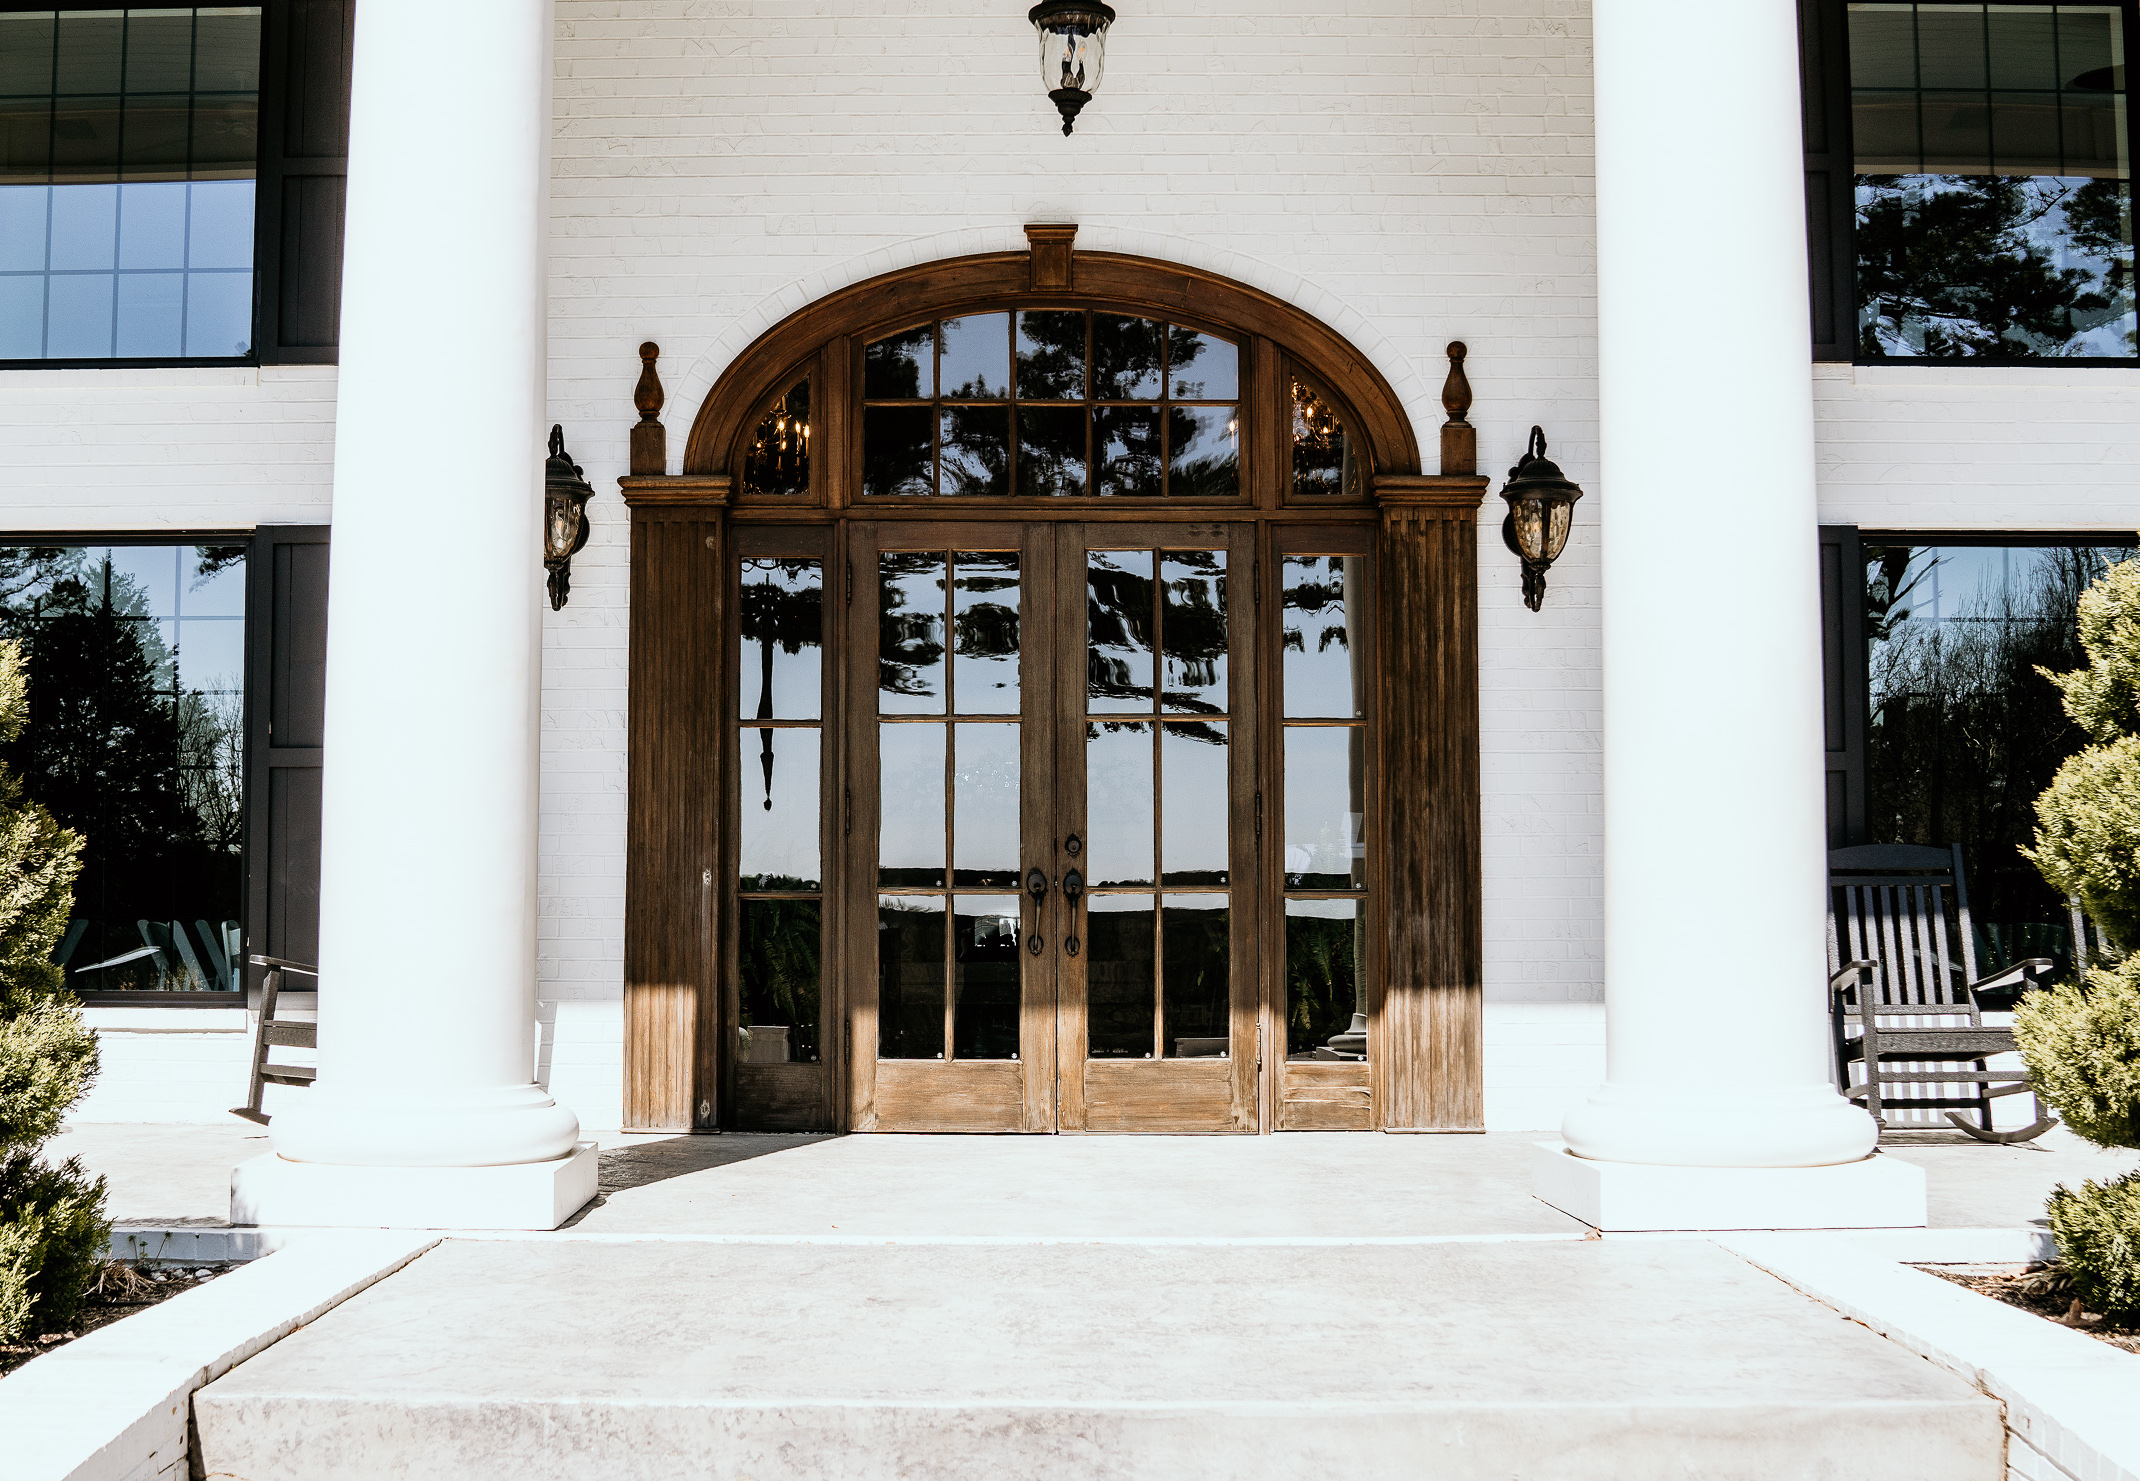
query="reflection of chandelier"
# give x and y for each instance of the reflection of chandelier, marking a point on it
(1315, 421)
(783, 444)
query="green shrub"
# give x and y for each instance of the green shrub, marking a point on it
(2082, 1044)
(52, 1236)
(2088, 835)
(2098, 1231)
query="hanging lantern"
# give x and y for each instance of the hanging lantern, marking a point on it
(1073, 51)
(565, 493)
(1541, 506)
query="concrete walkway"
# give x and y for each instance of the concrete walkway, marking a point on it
(642, 1359)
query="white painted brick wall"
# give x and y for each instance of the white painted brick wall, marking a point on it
(1413, 171)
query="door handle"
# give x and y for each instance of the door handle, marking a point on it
(1073, 891)
(1036, 885)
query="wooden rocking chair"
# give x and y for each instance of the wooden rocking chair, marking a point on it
(1896, 913)
(276, 1031)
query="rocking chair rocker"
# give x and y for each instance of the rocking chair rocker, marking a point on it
(1895, 915)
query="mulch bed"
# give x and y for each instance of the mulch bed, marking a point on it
(121, 1290)
(2045, 1290)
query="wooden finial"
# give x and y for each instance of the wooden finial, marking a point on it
(1051, 266)
(650, 443)
(1460, 440)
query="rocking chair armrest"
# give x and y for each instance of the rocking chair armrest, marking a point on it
(1849, 975)
(2030, 974)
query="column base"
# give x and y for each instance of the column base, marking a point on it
(1626, 1197)
(270, 1189)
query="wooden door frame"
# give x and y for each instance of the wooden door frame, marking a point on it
(1425, 1024)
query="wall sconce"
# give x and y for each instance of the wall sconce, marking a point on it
(1073, 51)
(565, 492)
(1541, 505)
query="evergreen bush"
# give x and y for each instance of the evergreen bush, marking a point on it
(52, 1223)
(2082, 1039)
(2098, 1230)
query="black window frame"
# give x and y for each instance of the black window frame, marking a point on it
(285, 27)
(1831, 195)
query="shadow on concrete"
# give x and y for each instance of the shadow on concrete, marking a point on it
(656, 1162)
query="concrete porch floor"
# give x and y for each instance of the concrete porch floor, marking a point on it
(900, 1307)
(1296, 1185)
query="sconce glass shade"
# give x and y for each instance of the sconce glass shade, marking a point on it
(565, 492)
(1073, 51)
(1541, 507)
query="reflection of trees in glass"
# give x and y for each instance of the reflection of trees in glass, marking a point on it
(1956, 266)
(909, 640)
(778, 969)
(1965, 733)
(152, 775)
(1322, 971)
(976, 453)
(1195, 949)
(1118, 621)
(1051, 356)
(1193, 628)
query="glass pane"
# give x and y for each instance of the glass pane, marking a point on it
(976, 450)
(1125, 359)
(140, 751)
(910, 977)
(1192, 625)
(1051, 451)
(984, 816)
(1051, 356)
(777, 804)
(152, 225)
(910, 805)
(1125, 446)
(85, 227)
(898, 367)
(781, 647)
(1323, 678)
(1194, 825)
(777, 976)
(150, 314)
(1326, 988)
(1197, 949)
(25, 53)
(1992, 180)
(1119, 1001)
(1325, 780)
(213, 581)
(1961, 739)
(910, 633)
(976, 362)
(1323, 460)
(1118, 615)
(219, 310)
(985, 609)
(1118, 803)
(896, 452)
(1202, 452)
(984, 977)
(1202, 367)
(778, 462)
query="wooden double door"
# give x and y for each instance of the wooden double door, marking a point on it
(1049, 869)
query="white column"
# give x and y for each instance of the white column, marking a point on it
(428, 854)
(1715, 935)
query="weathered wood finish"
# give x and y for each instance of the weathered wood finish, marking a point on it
(1322, 1096)
(671, 1012)
(1429, 1049)
(1424, 1068)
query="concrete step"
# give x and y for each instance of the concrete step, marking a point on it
(562, 1358)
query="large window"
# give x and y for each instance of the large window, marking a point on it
(1964, 733)
(1969, 173)
(128, 155)
(136, 658)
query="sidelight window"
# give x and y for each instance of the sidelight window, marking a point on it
(781, 909)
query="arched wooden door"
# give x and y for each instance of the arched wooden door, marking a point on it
(1006, 660)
